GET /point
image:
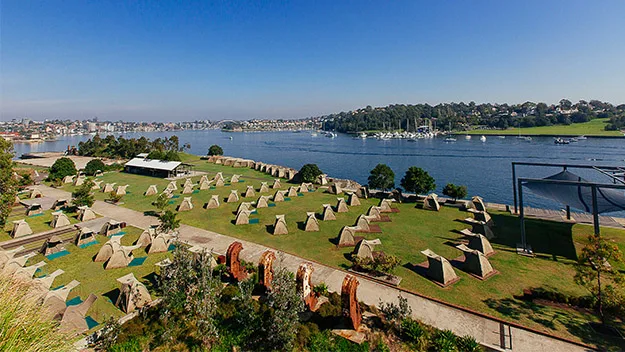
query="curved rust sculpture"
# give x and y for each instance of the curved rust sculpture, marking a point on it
(233, 262)
(304, 284)
(265, 269)
(349, 302)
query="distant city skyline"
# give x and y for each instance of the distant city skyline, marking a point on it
(169, 61)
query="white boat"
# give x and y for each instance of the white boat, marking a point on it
(362, 135)
(483, 139)
(314, 134)
(582, 138)
(501, 137)
(467, 137)
(450, 139)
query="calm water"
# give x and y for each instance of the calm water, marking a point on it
(484, 167)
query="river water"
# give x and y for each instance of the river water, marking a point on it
(484, 167)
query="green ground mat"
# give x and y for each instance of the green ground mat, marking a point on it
(35, 215)
(74, 301)
(287, 199)
(254, 221)
(137, 261)
(271, 205)
(91, 323)
(85, 245)
(57, 254)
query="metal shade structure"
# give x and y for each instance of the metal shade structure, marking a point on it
(573, 191)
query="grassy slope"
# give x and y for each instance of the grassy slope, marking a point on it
(591, 128)
(411, 231)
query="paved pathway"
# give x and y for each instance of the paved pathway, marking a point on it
(461, 322)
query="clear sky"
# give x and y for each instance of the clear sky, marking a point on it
(184, 60)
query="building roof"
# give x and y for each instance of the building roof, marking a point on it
(154, 164)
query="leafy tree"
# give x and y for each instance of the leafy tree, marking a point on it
(156, 155)
(309, 173)
(62, 167)
(83, 196)
(215, 150)
(93, 166)
(382, 177)
(594, 271)
(168, 221)
(8, 187)
(172, 155)
(396, 313)
(455, 191)
(114, 197)
(286, 304)
(161, 202)
(417, 180)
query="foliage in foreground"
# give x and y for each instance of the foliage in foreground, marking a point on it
(418, 181)
(83, 196)
(24, 325)
(7, 182)
(309, 173)
(455, 191)
(215, 150)
(62, 167)
(381, 177)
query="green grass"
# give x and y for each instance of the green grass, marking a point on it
(594, 127)
(38, 223)
(79, 265)
(411, 231)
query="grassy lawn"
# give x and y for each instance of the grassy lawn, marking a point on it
(591, 128)
(79, 265)
(37, 223)
(411, 231)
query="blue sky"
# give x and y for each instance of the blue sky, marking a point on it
(184, 60)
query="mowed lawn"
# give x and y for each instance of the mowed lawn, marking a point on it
(594, 127)
(79, 265)
(38, 223)
(410, 231)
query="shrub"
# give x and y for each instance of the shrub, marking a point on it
(468, 344)
(412, 330)
(396, 313)
(455, 191)
(444, 341)
(321, 289)
(93, 166)
(309, 173)
(62, 167)
(83, 196)
(382, 263)
(114, 197)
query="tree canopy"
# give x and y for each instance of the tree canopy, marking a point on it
(62, 167)
(382, 177)
(122, 148)
(455, 191)
(417, 180)
(82, 195)
(8, 187)
(309, 173)
(93, 166)
(215, 150)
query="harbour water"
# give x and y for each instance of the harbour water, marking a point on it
(484, 167)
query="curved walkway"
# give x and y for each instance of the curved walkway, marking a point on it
(498, 335)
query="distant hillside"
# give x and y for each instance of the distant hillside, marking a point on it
(461, 116)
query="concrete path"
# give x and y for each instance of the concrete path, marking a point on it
(484, 329)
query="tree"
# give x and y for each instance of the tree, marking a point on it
(62, 167)
(215, 150)
(8, 188)
(83, 196)
(382, 177)
(417, 180)
(594, 271)
(168, 221)
(281, 322)
(161, 202)
(94, 166)
(309, 173)
(455, 191)
(156, 155)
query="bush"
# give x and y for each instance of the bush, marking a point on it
(215, 150)
(93, 166)
(321, 289)
(83, 196)
(412, 330)
(444, 341)
(455, 191)
(309, 173)
(114, 197)
(62, 167)
(468, 344)
(417, 180)
(383, 263)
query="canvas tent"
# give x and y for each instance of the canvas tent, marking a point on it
(78, 181)
(292, 192)
(108, 187)
(96, 184)
(36, 193)
(311, 224)
(34, 208)
(213, 203)
(107, 250)
(218, 176)
(111, 227)
(476, 262)
(54, 300)
(59, 204)
(52, 245)
(328, 213)
(20, 228)
(279, 226)
(41, 285)
(362, 223)
(132, 294)
(352, 200)
(205, 184)
(151, 190)
(278, 197)
(235, 178)
(84, 236)
(8, 254)
(188, 189)
(276, 184)
(364, 248)
(341, 206)
(204, 178)
(385, 205)
(233, 197)
(335, 189)
(85, 213)
(374, 213)
(172, 186)
(187, 183)
(68, 179)
(146, 237)
(26, 273)
(431, 202)
(186, 204)
(249, 192)
(74, 316)
(243, 217)
(15, 263)
(243, 206)
(59, 219)
(484, 217)
(480, 243)
(439, 268)
(347, 237)
(478, 203)
(160, 243)
(263, 188)
(262, 202)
